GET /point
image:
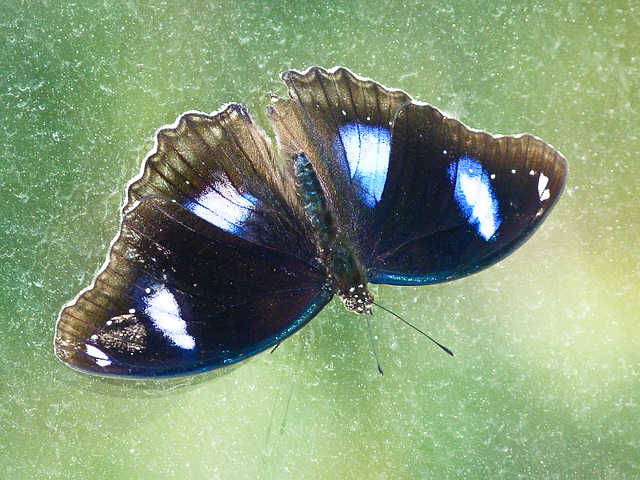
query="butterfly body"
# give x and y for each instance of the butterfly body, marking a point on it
(345, 271)
(223, 251)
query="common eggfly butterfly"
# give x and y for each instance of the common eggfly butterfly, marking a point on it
(224, 252)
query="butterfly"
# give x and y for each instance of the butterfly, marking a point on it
(224, 249)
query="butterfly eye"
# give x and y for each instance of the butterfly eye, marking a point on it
(359, 301)
(354, 304)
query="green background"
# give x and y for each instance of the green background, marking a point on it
(546, 378)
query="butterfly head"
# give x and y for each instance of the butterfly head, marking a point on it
(357, 299)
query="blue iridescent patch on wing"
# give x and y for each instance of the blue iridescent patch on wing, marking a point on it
(475, 196)
(367, 149)
(223, 206)
(161, 307)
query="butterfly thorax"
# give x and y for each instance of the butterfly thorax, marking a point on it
(349, 278)
(346, 274)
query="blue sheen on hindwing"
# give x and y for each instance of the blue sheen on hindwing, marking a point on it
(475, 195)
(367, 149)
(223, 206)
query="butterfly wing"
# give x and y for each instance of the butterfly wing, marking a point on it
(222, 168)
(458, 200)
(203, 272)
(343, 124)
(423, 197)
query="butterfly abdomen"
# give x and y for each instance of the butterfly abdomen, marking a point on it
(346, 272)
(314, 202)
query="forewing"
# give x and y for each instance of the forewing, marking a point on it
(180, 295)
(458, 200)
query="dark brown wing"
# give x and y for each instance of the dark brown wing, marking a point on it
(423, 197)
(211, 264)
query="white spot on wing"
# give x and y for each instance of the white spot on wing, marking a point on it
(543, 191)
(164, 311)
(101, 358)
(367, 149)
(223, 206)
(474, 195)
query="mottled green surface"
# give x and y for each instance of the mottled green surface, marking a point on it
(546, 380)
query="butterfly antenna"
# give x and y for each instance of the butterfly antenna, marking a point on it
(373, 347)
(415, 328)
